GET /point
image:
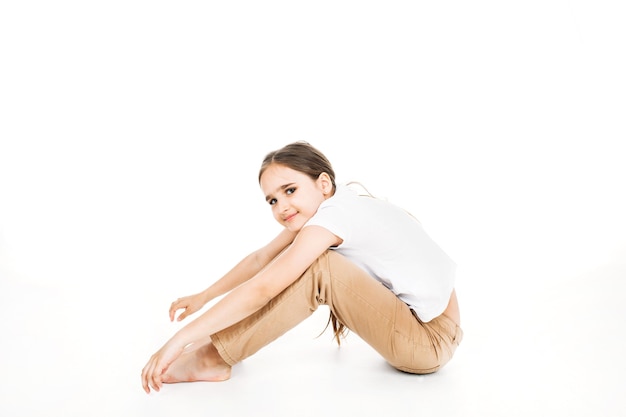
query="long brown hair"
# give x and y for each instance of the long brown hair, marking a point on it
(303, 157)
(300, 156)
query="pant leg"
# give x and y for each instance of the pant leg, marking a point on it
(358, 301)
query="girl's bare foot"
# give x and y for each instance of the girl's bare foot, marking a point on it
(203, 364)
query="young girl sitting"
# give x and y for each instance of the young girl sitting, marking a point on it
(371, 262)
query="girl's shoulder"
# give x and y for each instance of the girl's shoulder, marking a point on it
(357, 188)
(356, 196)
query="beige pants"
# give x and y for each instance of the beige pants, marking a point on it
(358, 301)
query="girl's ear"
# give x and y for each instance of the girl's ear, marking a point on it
(325, 183)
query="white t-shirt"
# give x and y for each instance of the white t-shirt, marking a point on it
(392, 247)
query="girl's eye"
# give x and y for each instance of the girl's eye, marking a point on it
(288, 191)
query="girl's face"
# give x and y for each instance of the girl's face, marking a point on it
(293, 196)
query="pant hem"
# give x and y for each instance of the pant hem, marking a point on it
(221, 350)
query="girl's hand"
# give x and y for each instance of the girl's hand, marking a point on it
(152, 373)
(190, 304)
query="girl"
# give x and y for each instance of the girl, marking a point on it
(372, 263)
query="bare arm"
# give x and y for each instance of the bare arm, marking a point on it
(240, 273)
(244, 300)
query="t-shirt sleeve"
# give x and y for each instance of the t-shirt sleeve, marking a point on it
(334, 219)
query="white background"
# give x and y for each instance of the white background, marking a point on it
(131, 134)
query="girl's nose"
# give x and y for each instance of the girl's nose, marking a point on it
(283, 206)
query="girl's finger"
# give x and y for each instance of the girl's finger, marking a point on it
(156, 379)
(144, 379)
(144, 383)
(173, 309)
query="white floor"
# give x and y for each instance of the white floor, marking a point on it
(130, 137)
(79, 351)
